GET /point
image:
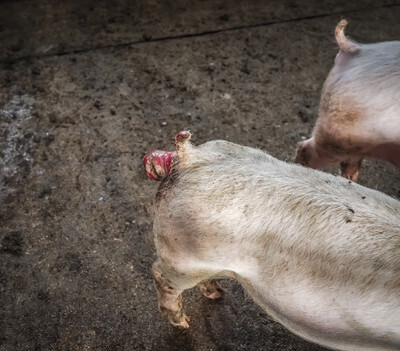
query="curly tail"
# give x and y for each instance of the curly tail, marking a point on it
(182, 143)
(345, 45)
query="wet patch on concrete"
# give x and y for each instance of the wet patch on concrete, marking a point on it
(16, 145)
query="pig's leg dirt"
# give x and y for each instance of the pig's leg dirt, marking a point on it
(211, 289)
(169, 296)
(170, 283)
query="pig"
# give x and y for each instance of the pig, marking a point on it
(319, 253)
(359, 111)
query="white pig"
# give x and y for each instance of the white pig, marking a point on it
(319, 253)
(359, 112)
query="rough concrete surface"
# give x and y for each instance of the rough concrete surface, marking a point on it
(89, 87)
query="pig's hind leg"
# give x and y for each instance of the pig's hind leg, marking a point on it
(169, 292)
(171, 282)
(211, 289)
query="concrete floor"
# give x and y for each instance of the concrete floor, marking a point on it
(89, 87)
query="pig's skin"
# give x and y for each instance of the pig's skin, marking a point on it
(319, 253)
(359, 112)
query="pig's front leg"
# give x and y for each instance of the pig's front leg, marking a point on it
(350, 169)
(310, 154)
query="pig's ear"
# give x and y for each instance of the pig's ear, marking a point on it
(345, 45)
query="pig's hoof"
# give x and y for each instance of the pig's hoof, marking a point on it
(181, 322)
(214, 295)
(211, 289)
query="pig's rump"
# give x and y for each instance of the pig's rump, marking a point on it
(319, 253)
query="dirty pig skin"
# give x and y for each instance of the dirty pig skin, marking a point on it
(359, 111)
(319, 253)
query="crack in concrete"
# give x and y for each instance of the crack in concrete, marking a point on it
(191, 35)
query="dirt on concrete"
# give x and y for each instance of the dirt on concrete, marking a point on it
(87, 89)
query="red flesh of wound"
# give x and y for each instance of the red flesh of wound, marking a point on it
(158, 164)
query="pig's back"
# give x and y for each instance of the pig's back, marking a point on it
(237, 192)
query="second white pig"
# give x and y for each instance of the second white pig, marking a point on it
(359, 112)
